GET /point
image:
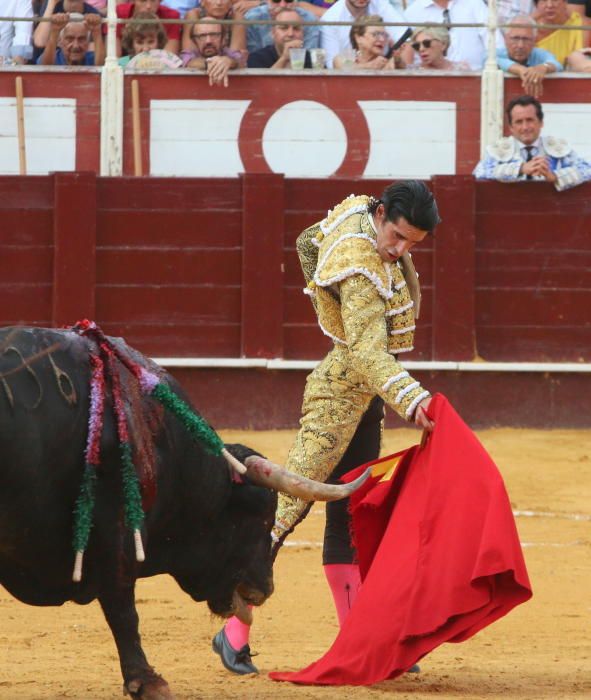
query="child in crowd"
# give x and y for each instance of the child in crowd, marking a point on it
(143, 42)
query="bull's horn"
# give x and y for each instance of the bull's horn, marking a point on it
(264, 473)
(233, 462)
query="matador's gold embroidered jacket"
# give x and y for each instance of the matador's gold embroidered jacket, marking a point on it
(363, 302)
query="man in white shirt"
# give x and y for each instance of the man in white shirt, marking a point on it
(15, 37)
(467, 43)
(335, 39)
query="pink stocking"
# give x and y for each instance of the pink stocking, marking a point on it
(344, 582)
(237, 633)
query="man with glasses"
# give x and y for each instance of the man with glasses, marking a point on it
(520, 57)
(336, 40)
(211, 54)
(259, 35)
(467, 43)
(527, 155)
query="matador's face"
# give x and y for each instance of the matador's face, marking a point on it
(395, 238)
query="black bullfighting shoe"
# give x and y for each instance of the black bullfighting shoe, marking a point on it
(414, 669)
(236, 661)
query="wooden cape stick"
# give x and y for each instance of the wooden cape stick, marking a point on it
(137, 132)
(20, 123)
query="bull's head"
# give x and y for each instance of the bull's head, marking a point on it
(253, 515)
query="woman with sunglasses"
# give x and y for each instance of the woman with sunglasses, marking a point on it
(430, 46)
(369, 41)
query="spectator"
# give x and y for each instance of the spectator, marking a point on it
(336, 40)
(431, 45)
(526, 155)
(211, 54)
(51, 7)
(99, 5)
(466, 43)
(127, 10)
(368, 38)
(259, 36)
(507, 9)
(560, 42)
(15, 37)
(234, 36)
(316, 7)
(521, 58)
(182, 6)
(580, 61)
(69, 42)
(285, 37)
(582, 7)
(145, 37)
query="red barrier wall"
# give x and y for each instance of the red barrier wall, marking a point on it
(533, 272)
(82, 85)
(207, 268)
(341, 93)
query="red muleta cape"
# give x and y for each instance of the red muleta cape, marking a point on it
(439, 556)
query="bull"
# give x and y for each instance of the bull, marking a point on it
(210, 532)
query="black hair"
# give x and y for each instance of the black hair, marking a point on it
(411, 199)
(525, 101)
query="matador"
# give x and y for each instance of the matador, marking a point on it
(367, 299)
(365, 291)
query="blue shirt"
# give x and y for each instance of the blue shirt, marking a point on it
(259, 36)
(181, 6)
(536, 58)
(60, 59)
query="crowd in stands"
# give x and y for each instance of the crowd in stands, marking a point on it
(73, 33)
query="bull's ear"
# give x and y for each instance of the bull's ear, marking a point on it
(241, 452)
(248, 499)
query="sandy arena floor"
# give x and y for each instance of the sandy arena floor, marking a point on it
(541, 651)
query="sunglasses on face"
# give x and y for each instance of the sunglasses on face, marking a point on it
(426, 44)
(378, 34)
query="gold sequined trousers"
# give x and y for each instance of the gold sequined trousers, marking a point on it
(335, 399)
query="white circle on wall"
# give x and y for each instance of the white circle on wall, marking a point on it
(304, 139)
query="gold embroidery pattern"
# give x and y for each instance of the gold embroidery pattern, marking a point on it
(337, 248)
(397, 321)
(335, 398)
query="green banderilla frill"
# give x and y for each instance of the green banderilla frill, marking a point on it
(84, 509)
(195, 425)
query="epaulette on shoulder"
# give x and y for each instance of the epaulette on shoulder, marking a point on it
(503, 150)
(557, 148)
(352, 205)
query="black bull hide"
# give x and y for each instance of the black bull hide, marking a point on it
(209, 533)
